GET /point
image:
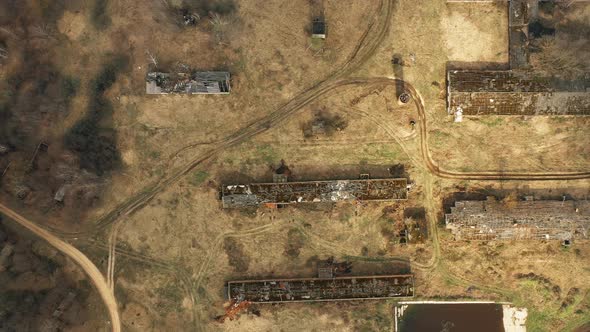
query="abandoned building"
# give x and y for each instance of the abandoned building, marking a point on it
(318, 28)
(473, 92)
(321, 289)
(243, 195)
(520, 220)
(207, 82)
(318, 21)
(518, 91)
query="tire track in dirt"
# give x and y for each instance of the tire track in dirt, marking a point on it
(359, 56)
(141, 199)
(180, 273)
(138, 201)
(363, 51)
(198, 278)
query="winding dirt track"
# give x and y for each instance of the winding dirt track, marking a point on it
(363, 51)
(136, 202)
(91, 270)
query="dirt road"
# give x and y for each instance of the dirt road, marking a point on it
(138, 201)
(91, 270)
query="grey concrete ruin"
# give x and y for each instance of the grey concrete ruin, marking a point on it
(520, 220)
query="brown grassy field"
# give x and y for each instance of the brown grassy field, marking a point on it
(176, 250)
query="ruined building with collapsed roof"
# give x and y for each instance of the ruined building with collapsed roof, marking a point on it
(206, 82)
(518, 91)
(243, 195)
(321, 289)
(521, 220)
(477, 92)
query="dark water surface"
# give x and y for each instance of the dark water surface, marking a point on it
(452, 318)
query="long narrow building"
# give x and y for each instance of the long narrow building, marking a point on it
(520, 90)
(478, 92)
(519, 220)
(318, 289)
(243, 195)
(206, 82)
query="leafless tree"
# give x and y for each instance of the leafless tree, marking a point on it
(41, 31)
(152, 58)
(219, 25)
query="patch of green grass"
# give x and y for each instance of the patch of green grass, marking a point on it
(545, 314)
(198, 177)
(316, 44)
(534, 287)
(266, 153)
(560, 119)
(439, 138)
(538, 320)
(383, 151)
(492, 121)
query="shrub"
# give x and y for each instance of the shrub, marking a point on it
(295, 241)
(206, 7)
(235, 254)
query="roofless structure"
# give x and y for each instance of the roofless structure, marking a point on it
(243, 195)
(518, 91)
(520, 220)
(317, 289)
(206, 82)
(476, 92)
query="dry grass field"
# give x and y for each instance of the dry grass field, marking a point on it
(158, 207)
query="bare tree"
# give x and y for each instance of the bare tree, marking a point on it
(152, 58)
(41, 31)
(219, 25)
